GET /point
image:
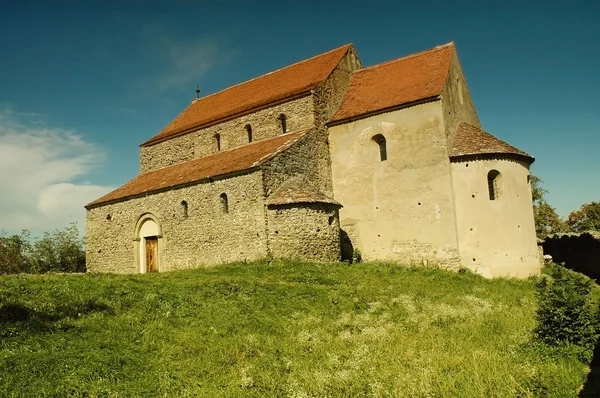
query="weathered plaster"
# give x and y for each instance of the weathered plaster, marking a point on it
(402, 208)
(496, 237)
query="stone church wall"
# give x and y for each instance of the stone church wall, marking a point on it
(400, 209)
(264, 123)
(457, 103)
(304, 230)
(207, 236)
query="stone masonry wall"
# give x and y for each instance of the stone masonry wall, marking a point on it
(265, 124)
(327, 99)
(305, 230)
(298, 161)
(207, 236)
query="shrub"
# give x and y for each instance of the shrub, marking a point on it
(356, 256)
(566, 311)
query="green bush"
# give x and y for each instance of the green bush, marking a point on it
(566, 312)
(55, 251)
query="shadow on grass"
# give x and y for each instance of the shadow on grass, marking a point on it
(591, 388)
(16, 318)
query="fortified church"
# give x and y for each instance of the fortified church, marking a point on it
(319, 159)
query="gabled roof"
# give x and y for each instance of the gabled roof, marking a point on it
(235, 160)
(394, 83)
(470, 140)
(296, 190)
(286, 83)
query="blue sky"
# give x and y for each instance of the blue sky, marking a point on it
(82, 84)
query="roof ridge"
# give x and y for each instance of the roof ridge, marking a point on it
(409, 56)
(271, 72)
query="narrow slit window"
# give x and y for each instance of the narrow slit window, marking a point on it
(379, 139)
(282, 118)
(494, 179)
(224, 203)
(218, 139)
(249, 131)
(184, 208)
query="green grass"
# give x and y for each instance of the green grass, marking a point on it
(277, 329)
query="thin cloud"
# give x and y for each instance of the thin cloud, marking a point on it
(39, 166)
(180, 63)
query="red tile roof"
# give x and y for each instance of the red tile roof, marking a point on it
(288, 82)
(235, 160)
(470, 140)
(398, 82)
(298, 191)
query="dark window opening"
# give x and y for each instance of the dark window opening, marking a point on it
(380, 140)
(184, 207)
(494, 178)
(224, 203)
(283, 120)
(218, 138)
(249, 131)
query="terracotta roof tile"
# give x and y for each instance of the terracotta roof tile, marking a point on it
(284, 83)
(234, 160)
(398, 82)
(470, 140)
(298, 191)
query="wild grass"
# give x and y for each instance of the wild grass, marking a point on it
(277, 328)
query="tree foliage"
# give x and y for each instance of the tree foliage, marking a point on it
(587, 218)
(547, 221)
(55, 251)
(566, 312)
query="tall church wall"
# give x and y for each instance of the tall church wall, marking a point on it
(299, 161)
(496, 237)
(402, 208)
(457, 103)
(207, 236)
(308, 231)
(327, 99)
(265, 123)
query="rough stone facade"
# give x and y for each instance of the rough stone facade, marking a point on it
(264, 123)
(206, 236)
(379, 176)
(304, 230)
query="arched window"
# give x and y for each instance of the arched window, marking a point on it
(224, 203)
(379, 139)
(283, 121)
(494, 179)
(218, 139)
(184, 208)
(249, 131)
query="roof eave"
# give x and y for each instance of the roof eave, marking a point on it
(155, 140)
(365, 115)
(490, 155)
(205, 180)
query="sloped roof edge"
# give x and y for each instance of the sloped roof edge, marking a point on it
(281, 85)
(230, 162)
(392, 84)
(472, 141)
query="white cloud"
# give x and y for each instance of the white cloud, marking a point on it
(38, 169)
(181, 63)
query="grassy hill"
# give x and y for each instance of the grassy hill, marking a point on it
(277, 329)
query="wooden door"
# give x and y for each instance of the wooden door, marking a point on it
(152, 254)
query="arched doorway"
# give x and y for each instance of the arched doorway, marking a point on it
(148, 243)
